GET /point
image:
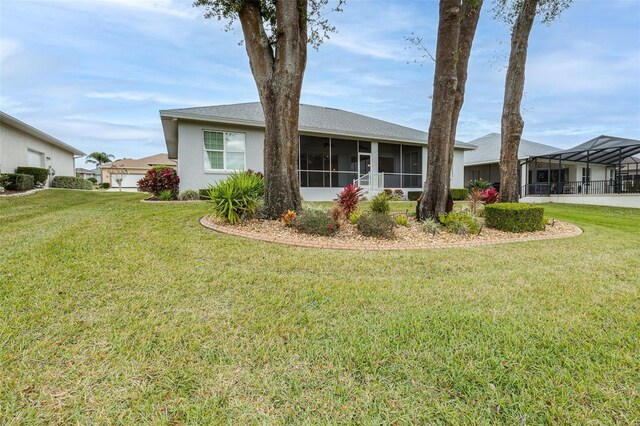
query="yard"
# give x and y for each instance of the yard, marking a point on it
(116, 311)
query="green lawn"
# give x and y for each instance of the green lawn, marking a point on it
(114, 311)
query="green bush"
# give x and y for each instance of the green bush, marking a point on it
(379, 225)
(92, 180)
(380, 203)
(430, 226)
(203, 194)
(39, 174)
(19, 182)
(105, 185)
(189, 195)
(459, 194)
(238, 197)
(70, 182)
(166, 195)
(354, 217)
(317, 222)
(514, 217)
(478, 184)
(413, 195)
(402, 220)
(460, 222)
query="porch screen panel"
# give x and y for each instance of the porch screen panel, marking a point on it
(389, 163)
(314, 161)
(411, 166)
(344, 162)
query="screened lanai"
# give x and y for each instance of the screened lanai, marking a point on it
(603, 165)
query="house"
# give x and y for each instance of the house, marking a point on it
(22, 145)
(132, 170)
(337, 147)
(601, 171)
(484, 161)
(86, 173)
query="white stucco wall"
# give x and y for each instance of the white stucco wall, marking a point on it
(14, 145)
(194, 176)
(611, 200)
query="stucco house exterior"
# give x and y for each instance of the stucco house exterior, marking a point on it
(22, 145)
(135, 169)
(337, 147)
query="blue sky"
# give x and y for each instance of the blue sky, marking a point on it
(94, 73)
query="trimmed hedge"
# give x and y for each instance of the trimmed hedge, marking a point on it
(413, 195)
(105, 185)
(459, 194)
(70, 182)
(39, 174)
(19, 182)
(514, 217)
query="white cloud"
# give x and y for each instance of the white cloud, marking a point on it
(143, 96)
(165, 7)
(9, 47)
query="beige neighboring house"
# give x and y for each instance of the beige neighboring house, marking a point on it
(24, 146)
(83, 173)
(135, 169)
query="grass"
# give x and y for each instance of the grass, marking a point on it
(119, 312)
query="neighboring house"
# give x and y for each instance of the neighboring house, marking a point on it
(24, 146)
(484, 161)
(86, 173)
(337, 147)
(600, 171)
(134, 169)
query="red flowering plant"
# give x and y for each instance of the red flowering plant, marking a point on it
(349, 198)
(159, 179)
(490, 196)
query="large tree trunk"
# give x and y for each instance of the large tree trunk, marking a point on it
(278, 74)
(512, 123)
(456, 29)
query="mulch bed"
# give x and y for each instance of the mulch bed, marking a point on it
(407, 238)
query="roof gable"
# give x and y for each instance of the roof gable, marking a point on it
(488, 149)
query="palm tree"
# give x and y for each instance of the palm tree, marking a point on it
(99, 158)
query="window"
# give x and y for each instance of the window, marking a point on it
(224, 150)
(35, 158)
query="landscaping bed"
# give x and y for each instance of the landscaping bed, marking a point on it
(406, 237)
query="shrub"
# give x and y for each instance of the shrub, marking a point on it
(460, 222)
(399, 194)
(105, 185)
(93, 180)
(515, 217)
(402, 220)
(354, 217)
(430, 226)
(490, 196)
(19, 182)
(70, 182)
(204, 194)
(253, 172)
(39, 174)
(189, 195)
(389, 192)
(459, 194)
(317, 222)
(166, 195)
(478, 183)
(288, 218)
(349, 198)
(238, 197)
(379, 225)
(475, 199)
(413, 195)
(158, 179)
(380, 203)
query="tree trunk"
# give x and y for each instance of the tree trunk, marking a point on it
(512, 123)
(448, 95)
(278, 74)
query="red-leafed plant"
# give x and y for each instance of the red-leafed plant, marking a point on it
(349, 198)
(159, 179)
(490, 196)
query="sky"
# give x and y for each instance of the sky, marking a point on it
(94, 73)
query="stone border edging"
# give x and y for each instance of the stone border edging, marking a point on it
(172, 201)
(24, 194)
(289, 242)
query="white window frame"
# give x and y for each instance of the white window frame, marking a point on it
(40, 154)
(224, 152)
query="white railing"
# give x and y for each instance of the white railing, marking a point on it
(370, 181)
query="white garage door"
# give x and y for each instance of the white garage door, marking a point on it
(128, 181)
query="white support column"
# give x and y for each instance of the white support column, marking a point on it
(374, 157)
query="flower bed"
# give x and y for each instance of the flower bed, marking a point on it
(406, 237)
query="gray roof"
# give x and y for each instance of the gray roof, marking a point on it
(87, 171)
(601, 149)
(20, 125)
(488, 150)
(315, 119)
